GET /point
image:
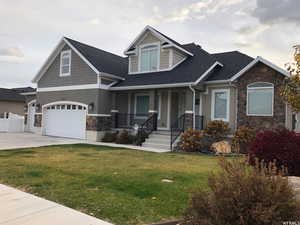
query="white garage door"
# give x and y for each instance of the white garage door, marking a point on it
(65, 120)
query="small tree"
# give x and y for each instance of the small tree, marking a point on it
(291, 91)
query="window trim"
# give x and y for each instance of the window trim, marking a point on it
(157, 44)
(214, 91)
(135, 105)
(257, 88)
(60, 66)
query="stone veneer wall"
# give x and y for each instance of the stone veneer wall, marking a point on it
(188, 122)
(38, 120)
(98, 123)
(261, 73)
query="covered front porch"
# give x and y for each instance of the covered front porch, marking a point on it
(165, 109)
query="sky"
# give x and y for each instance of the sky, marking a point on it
(30, 29)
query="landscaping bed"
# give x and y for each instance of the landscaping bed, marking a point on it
(125, 187)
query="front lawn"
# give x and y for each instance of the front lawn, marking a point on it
(117, 185)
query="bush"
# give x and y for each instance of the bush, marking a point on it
(191, 140)
(124, 137)
(243, 136)
(217, 129)
(281, 145)
(241, 195)
(109, 137)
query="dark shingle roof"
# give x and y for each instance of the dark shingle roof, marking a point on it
(188, 71)
(24, 89)
(10, 95)
(233, 62)
(175, 42)
(103, 61)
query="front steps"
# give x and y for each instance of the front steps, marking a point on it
(159, 140)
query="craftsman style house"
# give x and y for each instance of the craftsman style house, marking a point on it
(160, 84)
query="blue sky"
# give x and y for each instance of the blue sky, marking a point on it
(30, 29)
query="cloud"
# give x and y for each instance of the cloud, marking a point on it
(94, 21)
(12, 51)
(198, 10)
(280, 11)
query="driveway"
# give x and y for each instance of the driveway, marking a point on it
(29, 140)
(20, 208)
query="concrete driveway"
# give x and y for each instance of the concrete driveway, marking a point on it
(29, 140)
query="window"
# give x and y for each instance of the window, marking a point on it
(149, 56)
(142, 105)
(65, 63)
(220, 105)
(260, 99)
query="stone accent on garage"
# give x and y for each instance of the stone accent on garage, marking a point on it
(261, 73)
(38, 120)
(98, 123)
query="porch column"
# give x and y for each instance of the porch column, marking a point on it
(152, 106)
(189, 109)
(114, 111)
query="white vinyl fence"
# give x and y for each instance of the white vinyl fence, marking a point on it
(11, 123)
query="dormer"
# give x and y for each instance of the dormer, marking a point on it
(152, 51)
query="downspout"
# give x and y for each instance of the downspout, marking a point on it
(194, 99)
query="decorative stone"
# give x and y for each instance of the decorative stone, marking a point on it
(98, 123)
(167, 181)
(261, 73)
(221, 147)
(38, 120)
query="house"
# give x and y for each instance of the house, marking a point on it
(11, 100)
(160, 85)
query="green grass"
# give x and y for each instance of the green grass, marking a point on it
(117, 185)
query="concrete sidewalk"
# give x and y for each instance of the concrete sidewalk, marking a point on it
(20, 208)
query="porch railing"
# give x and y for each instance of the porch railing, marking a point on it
(129, 120)
(176, 129)
(147, 127)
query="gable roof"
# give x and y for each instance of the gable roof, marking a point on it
(188, 72)
(254, 62)
(233, 62)
(103, 61)
(160, 36)
(10, 95)
(98, 60)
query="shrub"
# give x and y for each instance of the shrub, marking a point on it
(191, 140)
(124, 137)
(281, 145)
(217, 129)
(109, 137)
(243, 136)
(241, 195)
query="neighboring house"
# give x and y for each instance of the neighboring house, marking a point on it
(11, 101)
(83, 91)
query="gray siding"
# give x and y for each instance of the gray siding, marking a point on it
(177, 57)
(207, 105)
(100, 98)
(81, 73)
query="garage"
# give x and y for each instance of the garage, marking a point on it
(65, 120)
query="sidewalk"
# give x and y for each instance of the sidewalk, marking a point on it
(20, 208)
